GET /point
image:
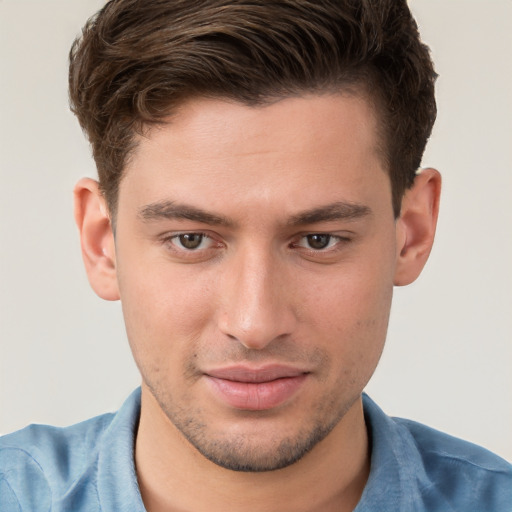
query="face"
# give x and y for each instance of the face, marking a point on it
(255, 256)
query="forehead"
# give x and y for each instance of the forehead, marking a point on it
(299, 146)
(208, 124)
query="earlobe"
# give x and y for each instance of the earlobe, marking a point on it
(416, 226)
(96, 238)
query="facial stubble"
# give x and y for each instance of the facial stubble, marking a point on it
(237, 452)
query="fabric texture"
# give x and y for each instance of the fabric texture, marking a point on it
(89, 467)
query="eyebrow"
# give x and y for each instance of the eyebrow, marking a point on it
(174, 210)
(340, 210)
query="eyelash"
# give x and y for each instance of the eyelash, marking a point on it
(170, 240)
(331, 238)
(335, 243)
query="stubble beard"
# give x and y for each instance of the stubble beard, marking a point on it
(237, 452)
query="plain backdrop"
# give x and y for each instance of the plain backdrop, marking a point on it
(63, 352)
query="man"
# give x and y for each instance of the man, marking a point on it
(258, 200)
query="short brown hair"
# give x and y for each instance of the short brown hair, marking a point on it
(137, 59)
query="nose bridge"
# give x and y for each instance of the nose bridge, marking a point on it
(256, 306)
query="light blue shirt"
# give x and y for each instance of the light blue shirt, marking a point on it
(89, 467)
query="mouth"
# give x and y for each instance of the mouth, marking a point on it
(258, 389)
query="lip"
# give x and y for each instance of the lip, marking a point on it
(255, 389)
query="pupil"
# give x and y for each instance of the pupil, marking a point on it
(191, 240)
(318, 241)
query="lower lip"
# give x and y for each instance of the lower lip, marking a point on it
(256, 396)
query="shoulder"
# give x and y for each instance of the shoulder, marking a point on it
(436, 445)
(462, 472)
(415, 467)
(40, 462)
(86, 467)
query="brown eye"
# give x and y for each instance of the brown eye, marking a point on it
(318, 241)
(191, 240)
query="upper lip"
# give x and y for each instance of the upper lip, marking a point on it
(255, 375)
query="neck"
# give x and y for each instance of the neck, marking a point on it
(173, 476)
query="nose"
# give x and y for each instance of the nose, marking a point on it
(257, 307)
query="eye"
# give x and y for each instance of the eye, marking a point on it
(191, 241)
(322, 247)
(191, 246)
(318, 241)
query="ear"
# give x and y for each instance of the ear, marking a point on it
(416, 226)
(96, 238)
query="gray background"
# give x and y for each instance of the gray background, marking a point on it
(63, 352)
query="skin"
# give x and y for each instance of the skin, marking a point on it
(252, 186)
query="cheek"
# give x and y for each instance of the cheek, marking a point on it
(164, 311)
(351, 309)
(358, 295)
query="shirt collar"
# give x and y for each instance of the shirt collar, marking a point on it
(396, 475)
(117, 480)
